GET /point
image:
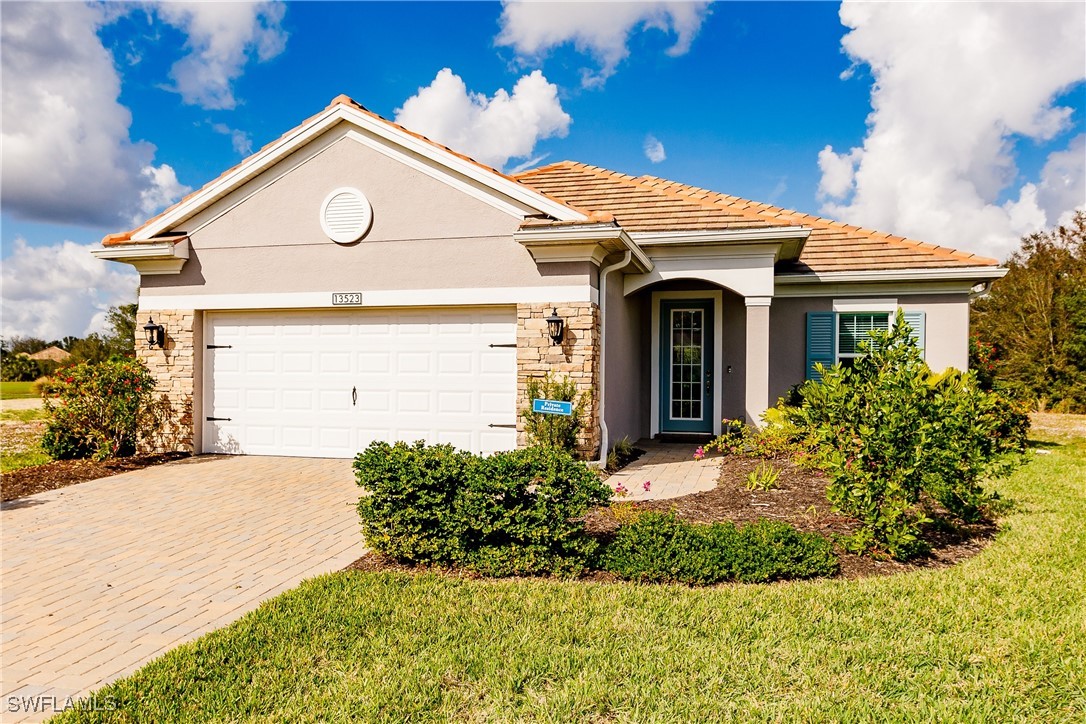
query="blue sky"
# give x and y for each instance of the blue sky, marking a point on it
(960, 124)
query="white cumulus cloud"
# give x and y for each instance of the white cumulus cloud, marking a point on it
(599, 29)
(240, 140)
(60, 289)
(956, 85)
(221, 38)
(654, 149)
(491, 130)
(68, 157)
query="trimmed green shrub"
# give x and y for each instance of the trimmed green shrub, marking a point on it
(658, 547)
(513, 513)
(410, 512)
(100, 410)
(556, 431)
(520, 510)
(888, 430)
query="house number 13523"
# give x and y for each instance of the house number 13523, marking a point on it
(346, 298)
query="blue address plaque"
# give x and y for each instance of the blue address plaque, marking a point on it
(553, 407)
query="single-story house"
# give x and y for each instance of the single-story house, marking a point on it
(354, 281)
(51, 354)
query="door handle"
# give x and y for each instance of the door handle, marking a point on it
(709, 381)
(354, 396)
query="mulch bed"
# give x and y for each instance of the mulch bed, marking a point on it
(799, 499)
(62, 473)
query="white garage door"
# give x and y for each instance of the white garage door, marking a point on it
(327, 383)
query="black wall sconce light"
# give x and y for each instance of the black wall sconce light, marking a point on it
(154, 333)
(555, 326)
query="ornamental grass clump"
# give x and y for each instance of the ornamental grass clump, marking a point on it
(892, 437)
(100, 410)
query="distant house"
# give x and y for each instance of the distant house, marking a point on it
(53, 354)
(353, 281)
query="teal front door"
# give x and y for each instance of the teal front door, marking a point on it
(686, 365)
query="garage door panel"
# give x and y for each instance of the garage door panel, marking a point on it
(373, 362)
(497, 362)
(330, 363)
(409, 363)
(286, 380)
(258, 362)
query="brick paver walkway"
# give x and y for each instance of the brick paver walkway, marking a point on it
(670, 470)
(101, 577)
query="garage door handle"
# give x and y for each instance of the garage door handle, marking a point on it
(493, 424)
(354, 396)
(219, 419)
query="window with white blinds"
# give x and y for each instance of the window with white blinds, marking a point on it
(853, 329)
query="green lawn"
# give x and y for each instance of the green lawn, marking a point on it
(20, 445)
(1000, 637)
(16, 391)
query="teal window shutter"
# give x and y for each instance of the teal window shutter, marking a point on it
(820, 342)
(915, 320)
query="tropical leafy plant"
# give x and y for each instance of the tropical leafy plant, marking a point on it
(888, 430)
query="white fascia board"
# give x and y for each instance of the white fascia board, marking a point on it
(972, 273)
(249, 168)
(790, 239)
(654, 238)
(611, 237)
(266, 158)
(499, 183)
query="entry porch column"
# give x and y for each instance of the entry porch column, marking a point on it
(757, 345)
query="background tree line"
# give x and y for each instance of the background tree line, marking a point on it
(1029, 334)
(117, 341)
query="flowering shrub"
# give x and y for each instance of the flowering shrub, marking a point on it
(100, 410)
(887, 431)
(513, 513)
(658, 547)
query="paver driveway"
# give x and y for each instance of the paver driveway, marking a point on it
(101, 577)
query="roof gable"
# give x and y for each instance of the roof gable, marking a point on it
(647, 204)
(468, 175)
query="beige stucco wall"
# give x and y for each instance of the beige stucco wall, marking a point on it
(266, 236)
(626, 394)
(946, 338)
(732, 386)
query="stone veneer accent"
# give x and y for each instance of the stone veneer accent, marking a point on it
(578, 357)
(173, 368)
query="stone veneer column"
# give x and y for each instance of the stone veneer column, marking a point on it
(578, 357)
(173, 368)
(757, 363)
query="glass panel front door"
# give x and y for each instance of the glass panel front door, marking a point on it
(687, 371)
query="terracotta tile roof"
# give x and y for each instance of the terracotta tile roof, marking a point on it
(126, 236)
(648, 203)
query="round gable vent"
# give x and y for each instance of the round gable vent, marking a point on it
(346, 215)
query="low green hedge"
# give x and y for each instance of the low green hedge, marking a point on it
(658, 547)
(522, 513)
(512, 513)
